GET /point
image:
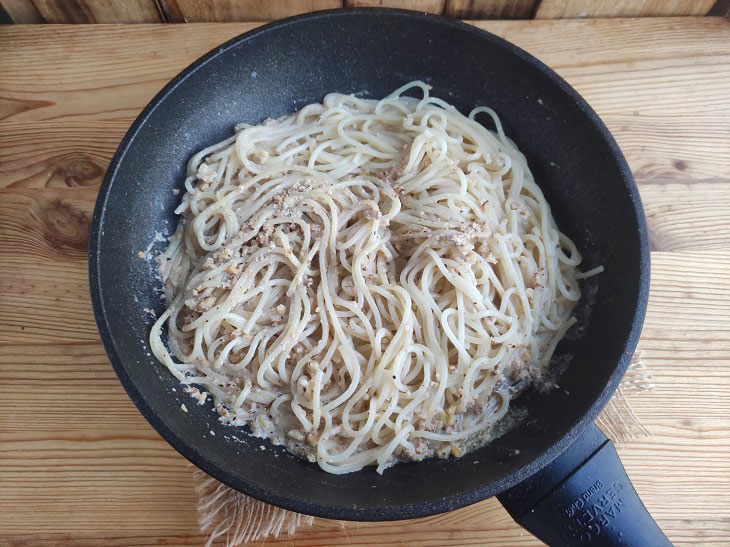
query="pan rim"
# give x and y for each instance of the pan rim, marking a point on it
(333, 510)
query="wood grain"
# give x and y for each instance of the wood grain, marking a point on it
(193, 11)
(98, 11)
(491, 9)
(430, 6)
(178, 11)
(570, 9)
(78, 463)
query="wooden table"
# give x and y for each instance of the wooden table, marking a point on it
(80, 466)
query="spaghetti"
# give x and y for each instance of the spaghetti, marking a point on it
(365, 282)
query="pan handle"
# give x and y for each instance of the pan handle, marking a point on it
(583, 497)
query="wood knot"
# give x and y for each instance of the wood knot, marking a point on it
(78, 171)
(66, 227)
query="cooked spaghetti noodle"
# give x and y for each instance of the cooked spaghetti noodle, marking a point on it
(364, 281)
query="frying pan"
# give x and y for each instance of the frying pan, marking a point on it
(555, 472)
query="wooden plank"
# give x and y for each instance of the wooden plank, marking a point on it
(491, 9)
(662, 98)
(195, 11)
(21, 11)
(686, 215)
(148, 11)
(84, 468)
(98, 11)
(430, 6)
(570, 9)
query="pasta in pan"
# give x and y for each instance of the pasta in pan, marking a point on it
(365, 281)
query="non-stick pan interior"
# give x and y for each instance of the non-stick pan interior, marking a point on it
(280, 68)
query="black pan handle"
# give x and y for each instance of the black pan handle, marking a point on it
(583, 497)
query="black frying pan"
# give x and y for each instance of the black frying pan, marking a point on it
(584, 493)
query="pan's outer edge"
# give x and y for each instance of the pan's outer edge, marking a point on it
(439, 504)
